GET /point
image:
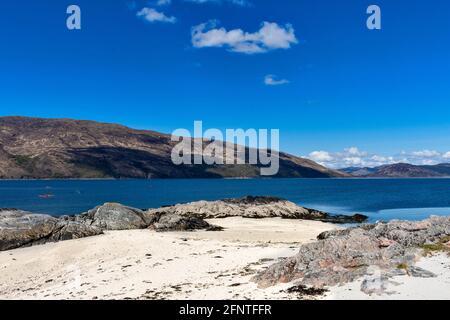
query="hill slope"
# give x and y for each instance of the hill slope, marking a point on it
(402, 170)
(64, 148)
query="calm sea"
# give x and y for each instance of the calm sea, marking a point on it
(379, 198)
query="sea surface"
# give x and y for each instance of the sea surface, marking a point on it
(381, 199)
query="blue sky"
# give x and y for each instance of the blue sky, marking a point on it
(343, 95)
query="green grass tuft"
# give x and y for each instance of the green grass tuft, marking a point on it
(440, 246)
(402, 266)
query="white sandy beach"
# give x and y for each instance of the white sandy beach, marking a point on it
(142, 264)
(147, 265)
(405, 287)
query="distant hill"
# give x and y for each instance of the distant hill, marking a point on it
(402, 170)
(64, 148)
(359, 172)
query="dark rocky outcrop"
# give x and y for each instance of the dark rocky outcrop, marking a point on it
(21, 228)
(173, 222)
(253, 207)
(344, 219)
(344, 255)
(254, 200)
(114, 216)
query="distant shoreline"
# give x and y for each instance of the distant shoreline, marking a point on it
(251, 178)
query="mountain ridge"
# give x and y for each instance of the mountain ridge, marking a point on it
(39, 148)
(401, 170)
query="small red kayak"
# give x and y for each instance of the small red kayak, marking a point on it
(46, 196)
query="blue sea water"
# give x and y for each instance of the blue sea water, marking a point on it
(381, 199)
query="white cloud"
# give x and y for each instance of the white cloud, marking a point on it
(353, 157)
(353, 161)
(163, 2)
(151, 15)
(320, 156)
(380, 159)
(426, 153)
(428, 162)
(271, 80)
(354, 151)
(270, 36)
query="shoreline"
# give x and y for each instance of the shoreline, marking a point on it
(225, 178)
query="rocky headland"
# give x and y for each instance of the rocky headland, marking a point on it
(256, 208)
(19, 228)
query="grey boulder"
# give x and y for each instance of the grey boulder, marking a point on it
(21, 228)
(114, 216)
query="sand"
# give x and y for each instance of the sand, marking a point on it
(142, 264)
(405, 287)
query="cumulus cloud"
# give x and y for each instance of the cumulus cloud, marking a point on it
(354, 151)
(270, 36)
(321, 156)
(353, 157)
(151, 15)
(426, 153)
(271, 80)
(163, 2)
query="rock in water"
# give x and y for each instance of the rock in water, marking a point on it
(345, 255)
(21, 228)
(252, 207)
(114, 216)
